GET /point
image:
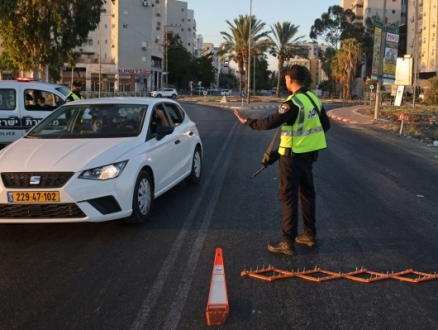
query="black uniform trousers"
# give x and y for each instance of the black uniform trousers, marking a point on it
(296, 181)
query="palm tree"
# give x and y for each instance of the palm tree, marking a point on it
(235, 45)
(345, 63)
(285, 45)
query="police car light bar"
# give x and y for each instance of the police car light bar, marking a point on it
(26, 79)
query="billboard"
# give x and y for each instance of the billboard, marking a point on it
(390, 59)
(376, 50)
(390, 49)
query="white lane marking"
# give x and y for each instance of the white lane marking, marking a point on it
(155, 291)
(177, 306)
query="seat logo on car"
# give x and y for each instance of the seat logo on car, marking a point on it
(35, 180)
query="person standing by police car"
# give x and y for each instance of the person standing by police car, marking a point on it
(303, 122)
(75, 93)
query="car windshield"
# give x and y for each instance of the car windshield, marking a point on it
(91, 122)
(64, 90)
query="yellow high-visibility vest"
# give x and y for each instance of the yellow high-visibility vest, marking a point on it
(306, 134)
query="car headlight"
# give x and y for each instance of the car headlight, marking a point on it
(106, 172)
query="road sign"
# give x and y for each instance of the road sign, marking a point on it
(204, 93)
(371, 87)
(242, 94)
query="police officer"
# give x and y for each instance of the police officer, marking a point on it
(303, 122)
(75, 93)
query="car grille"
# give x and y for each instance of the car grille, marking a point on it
(47, 179)
(40, 211)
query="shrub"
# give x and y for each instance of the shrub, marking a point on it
(431, 91)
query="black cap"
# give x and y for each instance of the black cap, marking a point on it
(76, 84)
(295, 72)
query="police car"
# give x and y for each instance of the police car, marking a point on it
(24, 103)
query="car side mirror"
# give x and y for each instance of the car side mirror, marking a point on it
(162, 131)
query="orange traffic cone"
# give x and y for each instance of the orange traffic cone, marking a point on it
(217, 305)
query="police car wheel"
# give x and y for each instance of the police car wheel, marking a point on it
(142, 199)
(195, 174)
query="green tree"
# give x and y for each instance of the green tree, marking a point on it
(326, 58)
(261, 72)
(6, 64)
(236, 47)
(40, 33)
(181, 66)
(334, 26)
(227, 80)
(285, 45)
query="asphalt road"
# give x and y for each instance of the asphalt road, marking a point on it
(377, 198)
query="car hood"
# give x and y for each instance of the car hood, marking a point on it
(63, 155)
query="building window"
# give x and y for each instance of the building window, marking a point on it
(106, 42)
(106, 26)
(90, 42)
(143, 58)
(393, 11)
(125, 26)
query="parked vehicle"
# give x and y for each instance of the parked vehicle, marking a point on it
(226, 92)
(98, 160)
(19, 108)
(165, 92)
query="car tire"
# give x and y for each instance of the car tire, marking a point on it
(158, 95)
(196, 172)
(142, 199)
(174, 96)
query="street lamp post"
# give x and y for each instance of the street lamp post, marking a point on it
(248, 100)
(381, 57)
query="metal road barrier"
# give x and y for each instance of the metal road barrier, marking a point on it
(319, 275)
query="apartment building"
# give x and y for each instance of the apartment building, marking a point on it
(181, 21)
(422, 36)
(126, 52)
(396, 10)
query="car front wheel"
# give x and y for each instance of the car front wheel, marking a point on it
(142, 199)
(195, 174)
(158, 95)
(174, 96)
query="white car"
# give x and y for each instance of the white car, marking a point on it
(165, 92)
(97, 160)
(226, 92)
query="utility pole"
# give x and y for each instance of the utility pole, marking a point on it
(415, 50)
(381, 58)
(248, 100)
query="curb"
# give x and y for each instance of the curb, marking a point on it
(239, 107)
(341, 119)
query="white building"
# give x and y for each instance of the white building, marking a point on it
(181, 21)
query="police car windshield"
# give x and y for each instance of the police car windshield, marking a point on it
(91, 121)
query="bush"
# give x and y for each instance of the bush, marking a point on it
(431, 92)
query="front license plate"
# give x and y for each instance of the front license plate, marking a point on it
(33, 196)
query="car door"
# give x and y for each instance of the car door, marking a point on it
(33, 112)
(10, 117)
(163, 153)
(184, 133)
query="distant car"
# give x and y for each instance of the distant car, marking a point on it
(98, 160)
(226, 92)
(263, 91)
(165, 92)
